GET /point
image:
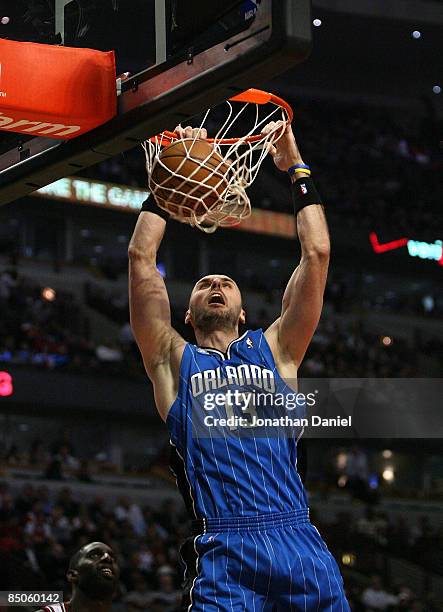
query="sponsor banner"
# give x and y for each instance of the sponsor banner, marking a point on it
(55, 91)
(95, 193)
(415, 248)
(130, 199)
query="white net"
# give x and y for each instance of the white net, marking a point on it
(207, 188)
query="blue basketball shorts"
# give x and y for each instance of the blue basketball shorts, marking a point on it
(271, 563)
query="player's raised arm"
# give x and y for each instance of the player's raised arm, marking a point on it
(302, 303)
(160, 345)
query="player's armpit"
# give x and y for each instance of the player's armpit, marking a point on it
(165, 378)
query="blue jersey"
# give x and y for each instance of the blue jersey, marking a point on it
(225, 464)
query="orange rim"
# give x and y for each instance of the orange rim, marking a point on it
(250, 96)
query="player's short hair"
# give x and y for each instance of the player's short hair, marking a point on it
(220, 275)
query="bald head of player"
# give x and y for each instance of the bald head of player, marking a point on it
(215, 305)
(93, 573)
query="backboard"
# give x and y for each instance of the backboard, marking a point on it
(183, 55)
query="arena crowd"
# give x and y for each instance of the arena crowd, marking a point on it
(39, 531)
(50, 330)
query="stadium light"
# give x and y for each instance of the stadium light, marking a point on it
(436, 89)
(348, 559)
(48, 294)
(317, 23)
(416, 34)
(388, 474)
(387, 454)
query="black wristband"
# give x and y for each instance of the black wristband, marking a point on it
(304, 193)
(150, 205)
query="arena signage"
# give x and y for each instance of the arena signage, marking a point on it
(130, 199)
(415, 248)
(424, 250)
(38, 127)
(95, 193)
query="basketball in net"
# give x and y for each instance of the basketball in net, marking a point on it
(203, 182)
(189, 178)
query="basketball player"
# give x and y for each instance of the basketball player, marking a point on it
(254, 547)
(93, 573)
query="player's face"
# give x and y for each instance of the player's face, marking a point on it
(215, 304)
(96, 573)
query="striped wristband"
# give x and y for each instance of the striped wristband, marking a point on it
(299, 168)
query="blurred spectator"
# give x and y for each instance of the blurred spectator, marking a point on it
(61, 526)
(38, 528)
(167, 598)
(84, 471)
(38, 455)
(8, 281)
(127, 511)
(357, 472)
(139, 598)
(108, 354)
(54, 470)
(375, 597)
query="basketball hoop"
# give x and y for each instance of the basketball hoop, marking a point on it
(189, 199)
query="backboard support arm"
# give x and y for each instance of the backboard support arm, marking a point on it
(60, 6)
(161, 37)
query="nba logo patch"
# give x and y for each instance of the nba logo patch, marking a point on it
(303, 189)
(249, 343)
(249, 8)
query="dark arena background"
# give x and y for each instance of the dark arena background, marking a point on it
(83, 454)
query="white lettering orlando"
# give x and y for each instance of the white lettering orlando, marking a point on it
(241, 375)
